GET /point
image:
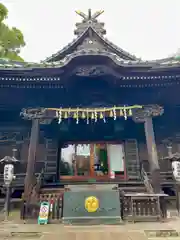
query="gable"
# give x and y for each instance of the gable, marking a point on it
(90, 35)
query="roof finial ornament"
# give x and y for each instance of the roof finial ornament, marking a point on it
(90, 20)
(83, 15)
(97, 14)
(90, 16)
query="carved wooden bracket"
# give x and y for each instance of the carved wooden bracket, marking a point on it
(140, 115)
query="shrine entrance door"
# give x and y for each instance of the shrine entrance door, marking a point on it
(85, 161)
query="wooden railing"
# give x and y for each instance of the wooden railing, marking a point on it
(146, 180)
(144, 207)
(56, 206)
(30, 204)
(165, 171)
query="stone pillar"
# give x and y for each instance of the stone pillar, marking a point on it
(29, 179)
(145, 115)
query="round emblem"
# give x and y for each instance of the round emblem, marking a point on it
(91, 204)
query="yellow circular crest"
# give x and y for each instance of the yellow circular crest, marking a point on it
(91, 204)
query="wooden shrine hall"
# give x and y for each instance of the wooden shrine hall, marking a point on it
(98, 115)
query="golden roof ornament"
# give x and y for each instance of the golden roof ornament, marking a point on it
(89, 16)
(90, 20)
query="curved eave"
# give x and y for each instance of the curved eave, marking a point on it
(68, 49)
(85, 57)
(72, 46)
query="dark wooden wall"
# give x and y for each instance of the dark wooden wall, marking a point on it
(22, 144)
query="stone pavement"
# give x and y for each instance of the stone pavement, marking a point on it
(137, 231)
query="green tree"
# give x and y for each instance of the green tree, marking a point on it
(11, 39)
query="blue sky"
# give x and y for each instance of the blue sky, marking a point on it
(150, 29)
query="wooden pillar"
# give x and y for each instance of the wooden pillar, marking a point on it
(58, 159)
(92, 149)
(30, 171)
(152, 155)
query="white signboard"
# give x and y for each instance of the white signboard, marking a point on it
(8, 173)
(43, 213)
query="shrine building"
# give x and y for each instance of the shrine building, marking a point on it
(91, 113)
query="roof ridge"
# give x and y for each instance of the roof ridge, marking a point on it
(65, 47)
(111, 45)
(115, 46)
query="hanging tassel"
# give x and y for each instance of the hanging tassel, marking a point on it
(104, 116)
(75, 115)
(60, 117)
(125, 114)
(57, 114)
(65, 115)
(114, 113)
(69, 113)
(83, 115)
(111, 114)
(92, 116)
(95, 116)
(121, 113)
(87, 117)
(130, 112)
(101, 115)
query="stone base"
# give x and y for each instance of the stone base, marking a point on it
(92, 221)
(76, 211)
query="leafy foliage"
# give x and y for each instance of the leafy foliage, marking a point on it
(11, 39)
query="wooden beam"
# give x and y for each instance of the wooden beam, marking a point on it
(92, 149)
(30, 171)
(152, 154)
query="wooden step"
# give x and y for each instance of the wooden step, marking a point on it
(137, 189)
(86, 187)
(52, 190)
(132, 158)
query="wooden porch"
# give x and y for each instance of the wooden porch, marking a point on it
(132, 206)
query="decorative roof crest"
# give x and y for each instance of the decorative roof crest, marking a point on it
(90, 20)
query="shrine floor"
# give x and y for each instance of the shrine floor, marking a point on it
(139, 231)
